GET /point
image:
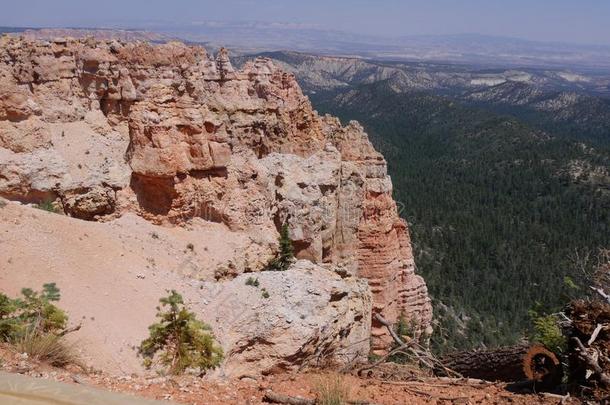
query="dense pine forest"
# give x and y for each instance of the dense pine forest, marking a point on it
(500, 210)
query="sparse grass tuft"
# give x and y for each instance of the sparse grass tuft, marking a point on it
(331, 389)
(265, 293)
(48, 348)
(48, 205)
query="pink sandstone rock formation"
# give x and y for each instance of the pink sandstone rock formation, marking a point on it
(172, 134)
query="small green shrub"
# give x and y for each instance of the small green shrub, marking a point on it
(251, 281)
(179, 339)
(48, 205)
(8, 322)
(265, 293)
(32, 324)
(548, 333)
(285, 255)
(35, 312)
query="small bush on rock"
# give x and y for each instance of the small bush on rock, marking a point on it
(285, 255)
(253, 282)
(179, 340)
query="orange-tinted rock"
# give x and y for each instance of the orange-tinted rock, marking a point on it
(199, 138)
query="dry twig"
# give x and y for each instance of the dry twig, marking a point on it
(598, 329)
(602, 293)
(70, 330)
(415, 349)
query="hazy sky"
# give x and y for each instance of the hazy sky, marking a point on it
(580, 21)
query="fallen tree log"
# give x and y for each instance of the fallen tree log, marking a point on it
(509, 364)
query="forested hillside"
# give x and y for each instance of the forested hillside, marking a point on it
(498, 210)
(574, 115)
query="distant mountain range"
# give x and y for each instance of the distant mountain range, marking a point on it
(491, 51)
(325, 72)
(564, 101)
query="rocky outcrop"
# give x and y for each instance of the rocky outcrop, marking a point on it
(172, 134)
(305, 316)
(112, 274)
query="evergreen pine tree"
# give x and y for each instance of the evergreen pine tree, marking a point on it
(285, 255)
(34, 313)
(181, 339)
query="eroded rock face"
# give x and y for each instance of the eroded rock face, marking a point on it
(172, 134)
(311, 317)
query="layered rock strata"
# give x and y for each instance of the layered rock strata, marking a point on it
(172, 134)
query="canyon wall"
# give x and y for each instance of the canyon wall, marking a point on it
(174, 135)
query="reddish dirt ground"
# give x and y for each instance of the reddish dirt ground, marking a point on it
(200, 391)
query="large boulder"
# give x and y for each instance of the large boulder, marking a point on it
(305, 316)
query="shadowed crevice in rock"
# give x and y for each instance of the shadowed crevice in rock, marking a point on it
(31, 196)
(301, 250)
(216, 172)
(115, 107)
(155, 195)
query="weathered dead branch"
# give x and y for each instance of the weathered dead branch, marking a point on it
(413, 350)
(70, 330)
(591, 357)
